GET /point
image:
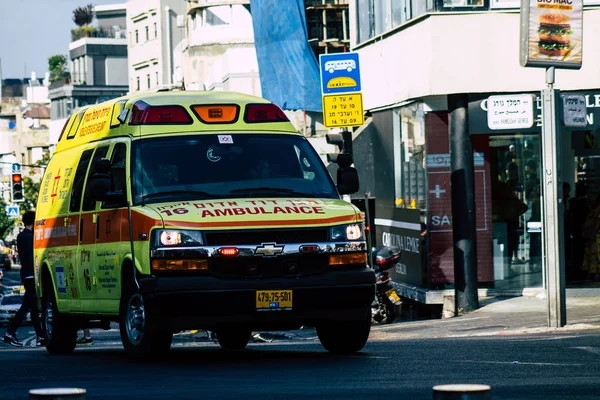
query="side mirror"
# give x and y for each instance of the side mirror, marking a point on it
(101, 184)
(347, 180)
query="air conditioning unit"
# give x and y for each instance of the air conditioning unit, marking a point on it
(181, 21)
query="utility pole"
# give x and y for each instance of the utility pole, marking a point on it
(463, 206)
(553, 211)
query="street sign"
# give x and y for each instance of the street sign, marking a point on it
(12, 211)
(340, 73)
(342, 110)
(574, 111)
(510, 112)
(16, 168)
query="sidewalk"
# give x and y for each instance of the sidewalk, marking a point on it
(498, 316)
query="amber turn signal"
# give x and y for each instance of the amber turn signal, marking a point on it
(347, 259)
(180, 265)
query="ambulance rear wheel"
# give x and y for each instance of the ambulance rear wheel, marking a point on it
(139, 334)
(233, 339)
(59, 329)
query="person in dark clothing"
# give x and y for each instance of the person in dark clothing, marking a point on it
(25, 248)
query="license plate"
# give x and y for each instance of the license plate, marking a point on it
(392, 295)
(273, 300)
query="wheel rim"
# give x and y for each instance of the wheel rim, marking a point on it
(136, 319)
(49, 317)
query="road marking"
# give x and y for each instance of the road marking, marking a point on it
(593, 350)
(522, 363)
(544, 339)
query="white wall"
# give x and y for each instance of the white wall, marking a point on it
(55, 128)
(464, 53)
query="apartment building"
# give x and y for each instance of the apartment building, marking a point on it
(414, 54)
(98, 65)
(155, 31)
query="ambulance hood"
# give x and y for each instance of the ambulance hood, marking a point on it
(256, 213)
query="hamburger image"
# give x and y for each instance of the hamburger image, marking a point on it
(555, 34)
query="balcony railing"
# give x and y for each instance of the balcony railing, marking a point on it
(93, 32)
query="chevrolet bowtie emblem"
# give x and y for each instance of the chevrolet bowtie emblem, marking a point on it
(269, 249)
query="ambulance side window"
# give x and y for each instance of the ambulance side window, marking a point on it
(118, 163)
(89, 203)
(77, 189)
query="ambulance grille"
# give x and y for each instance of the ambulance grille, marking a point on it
(264, 267)
(280, 236)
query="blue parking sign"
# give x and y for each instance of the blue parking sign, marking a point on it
(340, 73)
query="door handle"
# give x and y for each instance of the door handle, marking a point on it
(81, 228)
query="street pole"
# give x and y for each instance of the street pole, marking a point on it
(554, 255)
(463, 206)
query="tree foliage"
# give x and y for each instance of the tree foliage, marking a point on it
(83, 15)
(57, 65)
(6, 223)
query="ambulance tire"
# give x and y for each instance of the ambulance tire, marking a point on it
(233, 339)
(60, 330)
(344, 337)
(139, 334)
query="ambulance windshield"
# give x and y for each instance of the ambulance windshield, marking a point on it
(228, 166)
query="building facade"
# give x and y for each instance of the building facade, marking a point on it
(415, 54)
(155, 31)
(219, 52)
(98, 65)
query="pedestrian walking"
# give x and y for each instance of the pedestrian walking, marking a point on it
(25, 249)
(86, 338)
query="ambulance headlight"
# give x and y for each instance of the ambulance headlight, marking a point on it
(177, 237)
(342, 233)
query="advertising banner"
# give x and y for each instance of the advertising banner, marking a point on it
(551, 33)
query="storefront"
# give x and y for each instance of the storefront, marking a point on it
(411, 180)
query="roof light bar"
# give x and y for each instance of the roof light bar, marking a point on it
(145, 114)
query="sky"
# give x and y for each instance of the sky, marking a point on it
(33, 30)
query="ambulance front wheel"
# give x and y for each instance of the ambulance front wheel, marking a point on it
(139, 334)
(344, 337)
(60, 330)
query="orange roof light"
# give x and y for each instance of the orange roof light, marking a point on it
(217, 113)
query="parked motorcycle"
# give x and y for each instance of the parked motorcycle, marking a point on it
(384, 306)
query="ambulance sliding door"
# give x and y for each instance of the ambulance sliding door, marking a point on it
(86, 271)
(112, 242)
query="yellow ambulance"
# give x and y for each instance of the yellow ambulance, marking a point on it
(173, 211)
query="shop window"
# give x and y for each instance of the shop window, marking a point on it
(379, 16)
(515, 167)
(409, 157)
(463, 3)
(505, 4)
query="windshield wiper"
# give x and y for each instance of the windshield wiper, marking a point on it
(179, 192)
(266, 189)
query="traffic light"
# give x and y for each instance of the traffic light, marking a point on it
(344, 143)
(16, 188)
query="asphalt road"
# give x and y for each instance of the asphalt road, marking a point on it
(543, 366)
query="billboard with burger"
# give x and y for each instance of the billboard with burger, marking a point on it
(551, 33)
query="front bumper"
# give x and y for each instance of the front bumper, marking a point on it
(208, 302)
